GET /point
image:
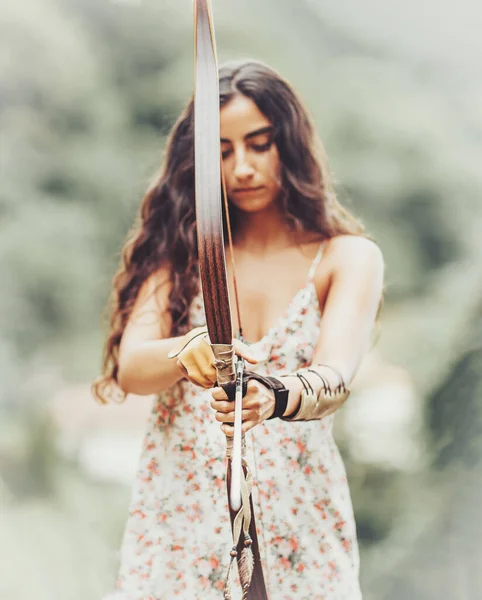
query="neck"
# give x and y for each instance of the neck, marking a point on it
(262, 232)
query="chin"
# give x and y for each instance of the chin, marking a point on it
(254, 206)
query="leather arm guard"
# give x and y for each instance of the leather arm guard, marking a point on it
(317, 403)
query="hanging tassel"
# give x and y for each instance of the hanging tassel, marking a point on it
(227, 581)
(241, 525)
(237, 528)
(246, 565)
(246, 560)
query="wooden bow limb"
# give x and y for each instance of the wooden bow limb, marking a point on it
(212, 262)
(212, 266)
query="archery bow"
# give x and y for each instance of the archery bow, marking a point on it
(212, 266)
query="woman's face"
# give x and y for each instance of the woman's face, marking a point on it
(250, 157)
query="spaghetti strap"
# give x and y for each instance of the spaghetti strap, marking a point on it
(316, 261)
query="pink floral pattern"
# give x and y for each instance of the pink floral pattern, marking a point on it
(178, 536)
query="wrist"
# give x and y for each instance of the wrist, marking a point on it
(182, 342)
(179, 369)
(294, 386)
(272, 412)
(280, 394)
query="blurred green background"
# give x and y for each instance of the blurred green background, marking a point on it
(88, 92)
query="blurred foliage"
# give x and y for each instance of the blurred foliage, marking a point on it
(447, 554)
(455, 408)
(88, 91)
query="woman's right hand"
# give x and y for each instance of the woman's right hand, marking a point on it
(195, 357)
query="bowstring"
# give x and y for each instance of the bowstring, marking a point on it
(231, 254)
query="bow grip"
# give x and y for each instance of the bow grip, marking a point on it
(224, 363)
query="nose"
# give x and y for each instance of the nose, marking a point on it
(243, 169)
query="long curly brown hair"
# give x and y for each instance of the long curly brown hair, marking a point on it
(165, 232)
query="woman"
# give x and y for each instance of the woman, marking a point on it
(310, 284)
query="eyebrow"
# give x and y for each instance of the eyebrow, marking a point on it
(252, 134)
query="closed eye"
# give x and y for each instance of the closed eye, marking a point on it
(262, 147)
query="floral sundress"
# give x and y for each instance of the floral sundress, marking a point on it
(178, 534)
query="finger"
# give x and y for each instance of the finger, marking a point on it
(205, 365)
(205, 384)
(241, 349)
(228, 430)
(197, 360)
(247, 426)
(228, 417)
(195, 375)
(222, 406)
(224, 417)
(199, 380)
(219, 394)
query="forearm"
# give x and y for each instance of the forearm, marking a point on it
(317, 378)
(145, 368)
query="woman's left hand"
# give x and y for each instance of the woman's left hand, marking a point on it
(258, 405)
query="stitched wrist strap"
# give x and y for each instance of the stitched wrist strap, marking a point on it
(280, 396)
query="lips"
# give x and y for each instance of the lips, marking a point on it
(247, 190)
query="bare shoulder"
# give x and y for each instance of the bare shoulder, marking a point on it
(150, 316)
(349, 252)
(157, 285)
